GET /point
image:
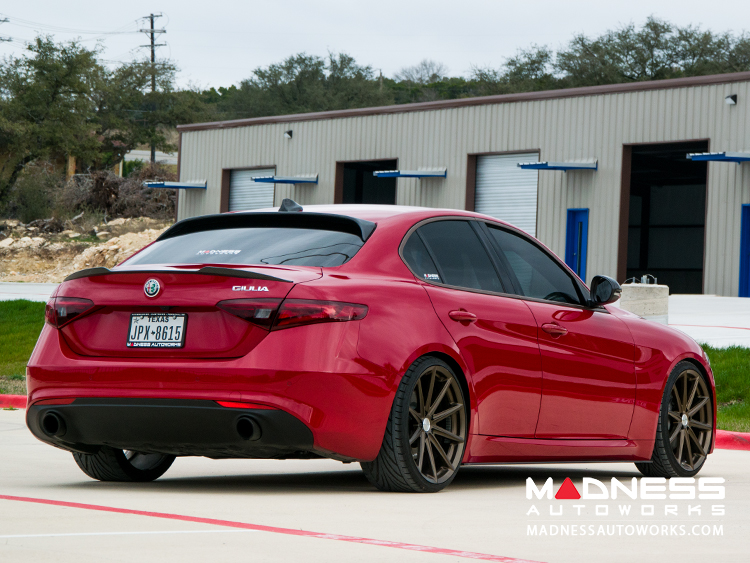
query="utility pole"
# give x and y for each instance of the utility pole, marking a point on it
(152, 32)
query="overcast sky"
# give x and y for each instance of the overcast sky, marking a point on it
(220, 42)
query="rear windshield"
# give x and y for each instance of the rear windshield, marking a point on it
(274, 245)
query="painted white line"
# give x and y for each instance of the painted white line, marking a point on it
(78, 534)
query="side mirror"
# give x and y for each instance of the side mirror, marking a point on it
(604, 290)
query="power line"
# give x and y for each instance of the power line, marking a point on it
(60, 29)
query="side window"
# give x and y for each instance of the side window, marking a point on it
(461, 259)
(419, 260)
(538, 275)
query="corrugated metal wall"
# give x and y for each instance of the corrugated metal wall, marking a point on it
(560, 129)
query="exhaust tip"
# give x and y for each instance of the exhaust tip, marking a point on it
(247, 428)
(53, 425)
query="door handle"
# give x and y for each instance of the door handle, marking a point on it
(554, 329)
(462, 316)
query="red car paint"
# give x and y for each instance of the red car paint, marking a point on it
(535, 394)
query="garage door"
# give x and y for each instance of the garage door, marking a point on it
(506, 192)
(244, 194)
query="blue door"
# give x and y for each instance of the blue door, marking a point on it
(745, 252)
(576, 240)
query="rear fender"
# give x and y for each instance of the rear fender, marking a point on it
(400, 327)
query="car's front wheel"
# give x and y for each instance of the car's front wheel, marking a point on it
(109, 464)
(426, 432)
(685, 427)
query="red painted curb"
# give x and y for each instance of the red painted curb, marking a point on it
(732, 440)
(275, 530)
(725, 440)
(16, 401)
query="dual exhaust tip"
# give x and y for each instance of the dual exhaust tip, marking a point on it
(53, 425)
(248, 429)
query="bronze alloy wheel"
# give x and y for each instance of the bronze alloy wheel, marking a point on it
(426, 433)
(437, 426)
(690, 415)
(685, 427)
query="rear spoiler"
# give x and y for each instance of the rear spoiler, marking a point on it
(205, 271)
(302, 220)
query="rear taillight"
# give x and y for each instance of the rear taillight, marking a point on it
(275, 314)
(260, 312)
(61, 310)
(295, 312)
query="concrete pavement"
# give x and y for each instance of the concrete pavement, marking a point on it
(710, 319)
(484, 512)
(23, 290)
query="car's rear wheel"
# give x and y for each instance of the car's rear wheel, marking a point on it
(685, 427)
(109, 464)
(426, 432)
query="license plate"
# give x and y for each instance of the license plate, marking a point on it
(156, 330)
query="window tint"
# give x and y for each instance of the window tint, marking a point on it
(419, 260)
(538, 275)
(275, 245)
(461, 258)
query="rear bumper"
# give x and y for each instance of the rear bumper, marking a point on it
(170, 426)
(312, 373)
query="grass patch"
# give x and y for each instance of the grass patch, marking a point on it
(13, 385)
(21, 322)
(731, 367)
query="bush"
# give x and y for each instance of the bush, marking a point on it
(34, 193)
(136, 201)
(120, 197)
(130, 167)
(40, 193)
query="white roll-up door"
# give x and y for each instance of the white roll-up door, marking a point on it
(505, 191)
(244, 194)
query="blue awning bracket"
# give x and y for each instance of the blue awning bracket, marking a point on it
(197, 184)
(307, 179)
(738, 157)
(564, 166)
(426, 173)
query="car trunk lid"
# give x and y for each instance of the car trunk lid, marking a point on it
(190, 290)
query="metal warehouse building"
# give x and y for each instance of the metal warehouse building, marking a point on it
(599, 174)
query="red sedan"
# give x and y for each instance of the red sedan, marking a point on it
(410, 340)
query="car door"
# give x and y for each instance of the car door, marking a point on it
(496, 334)
(587, 353)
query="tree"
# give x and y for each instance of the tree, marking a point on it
(656, 51)
(303, 83)
(59, 100)
(425, 72)
(45, 106)
(529, 70)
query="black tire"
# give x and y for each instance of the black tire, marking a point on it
(109, 464)
(674, 439)
(402, 466)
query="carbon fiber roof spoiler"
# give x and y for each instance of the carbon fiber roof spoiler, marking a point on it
(205, 271)
(300, 220)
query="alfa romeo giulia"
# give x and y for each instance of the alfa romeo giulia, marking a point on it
(410, 340)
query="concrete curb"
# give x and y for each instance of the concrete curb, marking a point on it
(15, 401)
(732, 440)
(725, 440)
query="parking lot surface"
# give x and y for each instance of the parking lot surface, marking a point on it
(321, 510)
(29, 291)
